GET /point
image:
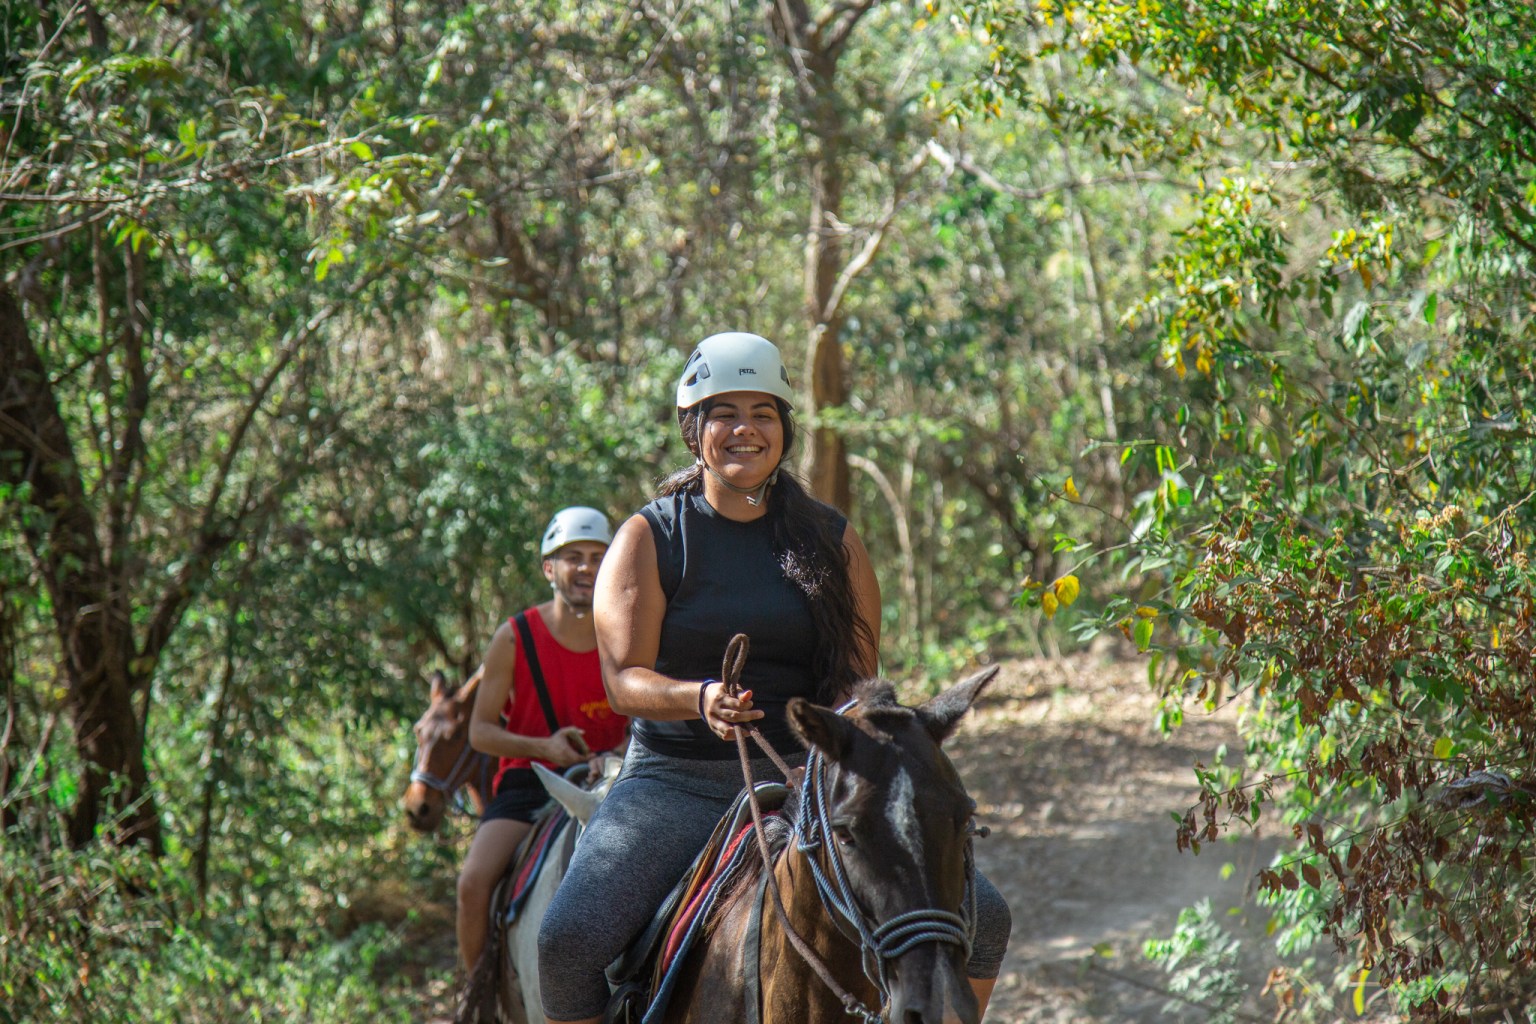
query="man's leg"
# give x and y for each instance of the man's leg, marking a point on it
(489, 854)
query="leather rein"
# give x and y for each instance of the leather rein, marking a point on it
(878, 945)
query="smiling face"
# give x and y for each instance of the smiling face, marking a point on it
(573, 570)
(742, 437)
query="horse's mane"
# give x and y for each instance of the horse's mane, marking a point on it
(777, 829)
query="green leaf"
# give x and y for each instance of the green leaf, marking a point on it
(1142, 633)
(1444, 747)
(361, 150)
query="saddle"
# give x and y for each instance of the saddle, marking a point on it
(644, 976)
(515, 884)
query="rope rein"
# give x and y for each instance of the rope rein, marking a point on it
(878, 945)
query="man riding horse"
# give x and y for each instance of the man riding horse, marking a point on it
(540, 699)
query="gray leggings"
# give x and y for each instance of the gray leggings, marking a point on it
(656, 819)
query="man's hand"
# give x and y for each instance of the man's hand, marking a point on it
(566, 747)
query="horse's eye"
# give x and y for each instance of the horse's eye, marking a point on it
(843, 834)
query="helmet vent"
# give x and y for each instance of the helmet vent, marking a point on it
(702, 373)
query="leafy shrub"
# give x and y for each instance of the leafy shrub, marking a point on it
(106, 934)
(1201, 958)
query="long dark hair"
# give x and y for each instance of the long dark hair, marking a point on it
(810, 552)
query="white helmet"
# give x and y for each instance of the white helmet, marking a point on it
(733, 361)
(573, 524)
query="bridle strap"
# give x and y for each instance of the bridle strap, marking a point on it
(457, 775)
(893, 938)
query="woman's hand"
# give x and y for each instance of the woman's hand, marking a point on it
(722, 712)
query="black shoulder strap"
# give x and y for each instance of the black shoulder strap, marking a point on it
(531, 655)
(666, 534)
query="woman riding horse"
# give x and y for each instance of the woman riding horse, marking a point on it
(733, 544)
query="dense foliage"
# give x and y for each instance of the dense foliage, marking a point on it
(1342, 537)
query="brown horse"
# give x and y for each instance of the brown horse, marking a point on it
(445, 762)
(877, 884)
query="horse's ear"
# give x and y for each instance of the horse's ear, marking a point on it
(827, 731)
(579, 802)
(438, 682)
(941, 714)
(467, 691)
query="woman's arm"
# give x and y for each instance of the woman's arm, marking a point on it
(866, 602)
(627, 607)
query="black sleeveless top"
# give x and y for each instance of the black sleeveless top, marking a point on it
(721, 577)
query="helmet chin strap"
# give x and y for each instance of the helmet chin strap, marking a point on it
(754, 495)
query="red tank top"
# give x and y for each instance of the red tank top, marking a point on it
(575, 684)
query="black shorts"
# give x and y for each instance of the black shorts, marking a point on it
(519, 797)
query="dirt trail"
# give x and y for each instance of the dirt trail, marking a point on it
(1077, 786)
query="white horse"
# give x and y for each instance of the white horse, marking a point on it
(518, 995)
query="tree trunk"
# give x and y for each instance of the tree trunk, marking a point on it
(823, 263)
(95, 638)
(812, 47)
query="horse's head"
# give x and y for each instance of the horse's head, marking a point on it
(443, 754)
(896, 825)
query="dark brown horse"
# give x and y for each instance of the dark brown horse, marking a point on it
(445, 762)
(877, 881)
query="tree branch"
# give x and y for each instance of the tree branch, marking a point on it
(872, 243)
(844, 18)
(987, 178)
(215, 532)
